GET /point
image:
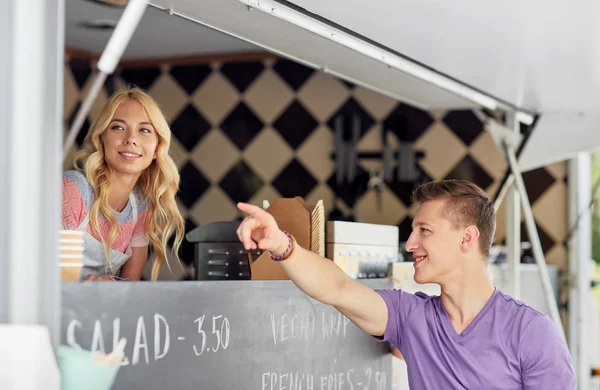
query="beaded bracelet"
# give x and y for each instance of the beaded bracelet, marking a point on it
(288, 251)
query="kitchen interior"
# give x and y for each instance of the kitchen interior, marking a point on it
(253, 126)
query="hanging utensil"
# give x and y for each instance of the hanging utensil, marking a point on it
(376, 182)
(407, 163)
(387, 156)
(351, 151)
(340, 148)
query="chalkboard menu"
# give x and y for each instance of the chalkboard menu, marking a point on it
(262, 335)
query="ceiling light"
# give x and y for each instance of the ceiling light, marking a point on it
(112, 3)
(98, 24)
(392, 60)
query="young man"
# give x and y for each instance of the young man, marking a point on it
(472, 336)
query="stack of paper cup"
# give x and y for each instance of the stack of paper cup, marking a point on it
(70, 246)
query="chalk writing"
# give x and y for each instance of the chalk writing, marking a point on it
(218, 337)
(287, 381)
(351, 379)
(334, 325)
(299, 326)
(302, 326)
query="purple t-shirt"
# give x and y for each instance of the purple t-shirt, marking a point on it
(508, 345)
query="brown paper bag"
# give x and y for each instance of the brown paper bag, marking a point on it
(293, 216)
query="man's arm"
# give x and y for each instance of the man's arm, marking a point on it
(545, 359)
(324, 281)
(316, 276)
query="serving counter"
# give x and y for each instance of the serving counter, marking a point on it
(224, 335)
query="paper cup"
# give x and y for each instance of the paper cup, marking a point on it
(70, 238)
(70, 254)
(71, 234)
(72, 273)
(70, 247)
(79, 371)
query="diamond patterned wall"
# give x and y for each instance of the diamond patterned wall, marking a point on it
(248, 131)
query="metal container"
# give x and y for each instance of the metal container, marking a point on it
(362, 250)
(219, 254)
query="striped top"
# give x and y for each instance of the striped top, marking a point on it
(77, 199)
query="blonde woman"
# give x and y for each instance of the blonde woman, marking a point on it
(122, 193)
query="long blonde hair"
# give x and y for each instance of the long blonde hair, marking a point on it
(159, 182)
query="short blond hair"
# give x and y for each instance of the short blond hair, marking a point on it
(466, 204)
